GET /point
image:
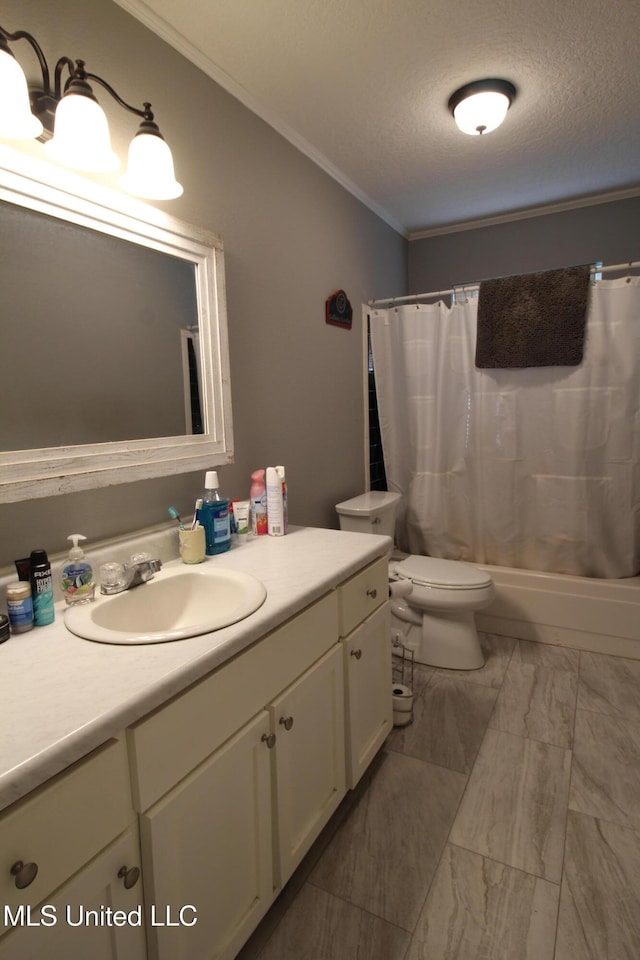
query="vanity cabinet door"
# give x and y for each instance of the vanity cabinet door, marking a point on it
(66, 924)
(309, 783)
(368, 692)
(207, 851)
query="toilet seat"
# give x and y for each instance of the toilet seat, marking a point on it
(442, 574)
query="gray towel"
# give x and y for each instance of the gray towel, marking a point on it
(536, 320)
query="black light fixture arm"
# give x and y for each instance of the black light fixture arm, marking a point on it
(23, 35)
(146, 114)
(45, 99)
(148, 124)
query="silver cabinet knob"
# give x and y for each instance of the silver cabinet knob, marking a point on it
(129, 876)
(24, 873)
(356, 653)
(287, 722)
(372, 593)
(269, 739)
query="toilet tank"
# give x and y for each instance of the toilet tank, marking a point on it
(373, 512)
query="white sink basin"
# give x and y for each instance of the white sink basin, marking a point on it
(176, 604)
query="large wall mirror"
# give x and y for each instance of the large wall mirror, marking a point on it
(113, 337)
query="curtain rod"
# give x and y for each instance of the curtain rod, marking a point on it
(461, 287)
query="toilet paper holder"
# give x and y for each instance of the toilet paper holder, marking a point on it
(402, 671)
(402, 661)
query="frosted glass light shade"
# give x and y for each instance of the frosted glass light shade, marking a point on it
(150, 173)
(81, 136)
(481, 112)
(16, 120)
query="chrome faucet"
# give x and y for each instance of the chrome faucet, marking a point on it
(118, 577)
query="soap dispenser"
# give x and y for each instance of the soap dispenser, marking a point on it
(77, 574)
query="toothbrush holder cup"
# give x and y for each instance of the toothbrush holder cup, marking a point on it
(192, 545)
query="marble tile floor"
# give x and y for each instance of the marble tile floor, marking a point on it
(503, 824)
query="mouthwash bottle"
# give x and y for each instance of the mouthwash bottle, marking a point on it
(214, 516)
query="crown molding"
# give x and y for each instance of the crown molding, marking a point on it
(527, 214)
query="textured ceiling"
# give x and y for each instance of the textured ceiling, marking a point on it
(362, 87)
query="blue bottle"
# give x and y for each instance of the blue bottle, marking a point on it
(41, 588)
(214, 517)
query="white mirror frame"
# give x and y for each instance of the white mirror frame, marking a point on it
(30, 474)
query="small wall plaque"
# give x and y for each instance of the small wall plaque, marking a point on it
(338, 310)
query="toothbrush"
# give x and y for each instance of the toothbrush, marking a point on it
(196, 513)
(173, 513)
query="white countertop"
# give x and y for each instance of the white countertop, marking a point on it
(61, 696)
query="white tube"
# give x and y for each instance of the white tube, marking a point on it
(242, 512)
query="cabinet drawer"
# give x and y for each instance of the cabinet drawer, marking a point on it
(170, 743)
(65, 823)
(362, 594)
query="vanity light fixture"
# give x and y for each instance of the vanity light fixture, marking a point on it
(74, 126)
(481, 106)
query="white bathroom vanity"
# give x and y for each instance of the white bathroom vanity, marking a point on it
(167, 792)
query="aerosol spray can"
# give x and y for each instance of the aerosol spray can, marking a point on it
(41, 588)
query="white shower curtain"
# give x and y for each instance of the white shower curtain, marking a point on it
(536, 467)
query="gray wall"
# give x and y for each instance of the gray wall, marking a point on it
(292, 236)
(606, 232)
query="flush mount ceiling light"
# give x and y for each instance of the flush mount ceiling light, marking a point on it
(481, 106)
(72, 114)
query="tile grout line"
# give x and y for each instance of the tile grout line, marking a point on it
(337, 896)
(509, 866)
(566, 816)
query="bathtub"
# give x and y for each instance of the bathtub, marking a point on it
(598, 615)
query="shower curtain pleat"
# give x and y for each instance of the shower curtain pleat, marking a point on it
(535, 468)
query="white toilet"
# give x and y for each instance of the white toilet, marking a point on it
(437, 617)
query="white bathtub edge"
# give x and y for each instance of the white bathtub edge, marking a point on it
(598, 615)
(559, 636)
